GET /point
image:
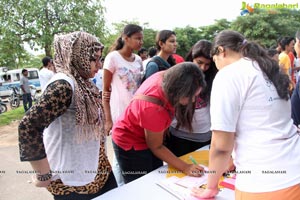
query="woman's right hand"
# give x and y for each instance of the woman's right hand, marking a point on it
(194, 170)
(108, 126)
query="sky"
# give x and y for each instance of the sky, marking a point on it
(168, 14)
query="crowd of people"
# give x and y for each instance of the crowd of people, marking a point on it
(230, 93)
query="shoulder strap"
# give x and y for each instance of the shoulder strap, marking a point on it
(159, 63)
(153, 100)
(149, 99)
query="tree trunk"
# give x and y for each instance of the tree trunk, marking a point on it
(48, 50)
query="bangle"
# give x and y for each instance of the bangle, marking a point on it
(44, 177)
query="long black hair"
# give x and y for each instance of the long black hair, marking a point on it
(202, 48)
(183, 80)
(128, 31)
(235, 41)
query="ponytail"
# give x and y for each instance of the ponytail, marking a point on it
(236, 42)
(269, 66)
(118, 44)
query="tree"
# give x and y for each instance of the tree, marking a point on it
(186, 38)
(37, 21)
(209, 32)
(149, 37)
(12, 53)
(266, 26)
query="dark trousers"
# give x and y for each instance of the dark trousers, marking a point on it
(27, 100)
(110, 184)
(181, 146)
(135, 164)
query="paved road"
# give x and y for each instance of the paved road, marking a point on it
(15, 180)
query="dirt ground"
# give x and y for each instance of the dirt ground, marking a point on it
(15, 177)
(8, 134)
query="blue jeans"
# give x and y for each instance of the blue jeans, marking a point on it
(27, 100)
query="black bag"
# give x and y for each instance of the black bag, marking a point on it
(159, 63)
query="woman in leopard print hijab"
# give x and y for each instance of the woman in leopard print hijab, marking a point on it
(74, 53)
(62, 135)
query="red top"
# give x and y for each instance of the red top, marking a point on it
(128, 131)
(178, 58)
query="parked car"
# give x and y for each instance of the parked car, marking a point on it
(11, 78)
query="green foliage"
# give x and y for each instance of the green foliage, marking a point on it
(209, 32)
(37, 21)
(149, 37)
(11, 115)
(266, 26)
(12, 53)
(186, 38)
(33, 62)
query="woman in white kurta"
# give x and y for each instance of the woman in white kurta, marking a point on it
(251, 117)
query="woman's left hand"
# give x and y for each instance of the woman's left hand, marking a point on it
(205, 193)
(231, 166)
(38, 183)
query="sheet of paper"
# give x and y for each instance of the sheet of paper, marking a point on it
(180, 192)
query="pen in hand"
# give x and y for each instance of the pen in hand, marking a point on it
(193, 160)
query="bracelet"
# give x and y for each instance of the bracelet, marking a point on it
(44, 177)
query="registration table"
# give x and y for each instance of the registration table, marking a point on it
(146, 188)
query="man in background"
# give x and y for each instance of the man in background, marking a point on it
(143, 53)
(152, 51)
(25, 90)
(47, 71)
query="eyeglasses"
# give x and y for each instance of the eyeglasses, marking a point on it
(96, 58)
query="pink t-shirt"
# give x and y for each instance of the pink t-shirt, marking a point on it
(128, 131)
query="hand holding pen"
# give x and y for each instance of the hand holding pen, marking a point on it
(193, 160)
(194, 169)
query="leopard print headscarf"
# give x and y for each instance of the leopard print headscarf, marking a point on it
(73, 55)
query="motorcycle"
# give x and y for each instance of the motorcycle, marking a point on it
(34, 93)
(3, 107)
(14, 99)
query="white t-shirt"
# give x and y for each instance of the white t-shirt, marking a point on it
(267, 146)
(145, 62)
(44, 76)
(98, 79)
(75, 163)
(125, 81)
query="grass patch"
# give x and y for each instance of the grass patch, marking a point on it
(12, 115)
